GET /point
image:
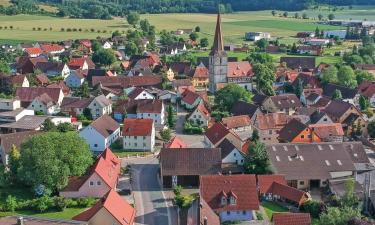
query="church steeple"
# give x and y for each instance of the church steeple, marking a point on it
(218, 47)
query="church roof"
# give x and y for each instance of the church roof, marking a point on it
(218, 47)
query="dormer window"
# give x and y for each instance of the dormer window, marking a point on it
(232, 200)
(223, 200)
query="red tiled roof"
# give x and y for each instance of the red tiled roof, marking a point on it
(85, 43)
(42, 79)
(189, 97)
(118, 207)
(216, 132)
(203, 110)
(239, 69)
(200, 71)
(28, 94)
(18, 80)
(290, 193)
(76, 63)
(137, 127)
(234, 122)
(124, 82)
(175, 143)
(241, 187)
(61, 84)
(271, 121)
(265, 181)
(52, 48)
(367, 88)
(291, 219)
(33, 51)
(150, 106)
(327, 130)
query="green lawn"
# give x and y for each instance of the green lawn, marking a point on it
(118, 150)
(67, 214)
(271, 208)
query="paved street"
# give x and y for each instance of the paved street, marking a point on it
(152, 208)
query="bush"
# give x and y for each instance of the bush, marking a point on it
(315, 208)
(60, 203)
(10, 203)
(71, 203)
(192, 129)
(86, 202)
(43, 203)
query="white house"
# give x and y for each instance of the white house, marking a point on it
(230, 154)
(101, 133)
(75, 79)
(100, 106)
(44, 104)
(152, 110)
(9, 104)
(139, 135)
(200, 116)
(137, 93)
(107, 45)
(256, 36)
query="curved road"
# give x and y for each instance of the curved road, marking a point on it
(152, 207)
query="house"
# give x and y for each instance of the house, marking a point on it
(100, 106)
(269, 125)
(230, 154)
(139, 135)
(28, 94)
(367, 67)
(110, 210)
(315, 50)
(184, 166)
(328, 132)
(190, 99)
(297, 132)
(75, 106)
(138, 93)
(299, 63)
(291, 218)
(30, 122)
(28, 220)
(243, 108)
(84, 46)
(42, 79)
(60, 84)
(348, 115)
(285, 103)
(199, 76)
(287, 194)
(324, 161)
(107, 45)
(265, 182)
(20, 81)
(348, 94)
(320, 117)
(14, 115)
(152, 109)
(316, 41)
(9, 104)
(200, 213)
(217, 133)
(82, 63)
(174, 49)
(101, 133)
(367, 89)
(125, 82)
(233, 198)
(175, 143)
(101, 178)
(44, 104)
(13, 139)
(238, 123)
(33, 52)
(335, 33)
(53, 69)
(25, 65)
(256, 36)
(178, 69)
(200, 116)
(52, 49)
(240, 73)
(75, 79)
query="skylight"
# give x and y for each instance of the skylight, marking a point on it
(339, 162)
(331, 147)
(320, 147)
(278, 158)
(327, 162)
(285, 148)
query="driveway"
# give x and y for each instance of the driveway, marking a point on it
(152, 207)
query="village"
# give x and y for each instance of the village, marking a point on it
(112, 131)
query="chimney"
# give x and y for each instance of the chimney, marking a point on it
(20, 221)
(205, 221)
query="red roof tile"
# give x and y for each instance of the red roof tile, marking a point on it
(217, 132)
(234, 122)
(52, 48)
(239, 69)
(265, 181)
(28, 94)
(271, 121)
(200, 71)
(121, 210)
(175, 143)
(137, 127)
(33, 51)
(189, 97)
(291, 219)
(327, 130)
(241, 187)
(290, 193)
(42, 79)
(203, 110)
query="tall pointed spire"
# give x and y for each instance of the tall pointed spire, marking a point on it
(218, 46)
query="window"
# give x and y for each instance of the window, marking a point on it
(244, 212)
(99, 183)
(91, 183)
(144, 137)
(228, 212)
(232, 200)
(223, 201)
(144, 144)
(135, 144)
(302, 183)
(302, 136)
(95, 145)
(234, 154)
(270, 132)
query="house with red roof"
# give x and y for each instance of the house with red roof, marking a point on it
(33, 52)
(139, 134)
(288, 194)
(84, 46)
(175, 143)
(20, 81)
(82, 63)
(218, 132)
(101, 133)
(199, 76)
(269, 125)
(52, 49)
(111, 209)
(233, 198)
(138, 93)
(44, 104)
(190, 99)
(240, 123)
(101, 178)
(200, 116)
(265, 182)
(28, 94)
(367, 89)
(291, 218)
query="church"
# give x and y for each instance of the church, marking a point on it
(222, 72)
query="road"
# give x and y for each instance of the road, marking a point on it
(152, 207)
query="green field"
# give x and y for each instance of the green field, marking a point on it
(271, 208)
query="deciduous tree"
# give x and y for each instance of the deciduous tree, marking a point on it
(230, 94)
(256, 160)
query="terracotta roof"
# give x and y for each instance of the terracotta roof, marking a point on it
(239, 69)
(117, 206)
(291, 219)
(28, 94)
(50, 66)
(7, 140)
(137, 127)
(203, 110)
(337, 108)
(271, 121)
(299, 62)
(290, 193)
(42, 79)
(105, 125)
(244, 108)
(77, 63)
(60, 84)
(234, 122)
(33, 51)
(137, 91)
(180, 67)
(189, 97)
(327, 130)
(291, 130)
(18, 80)
(76, 102)
(124, 82)
(241, 187)
(45, 99)
(322, 102)
(200, 71)
(367, 88)
(265, 182)
(28, 220)
(365, 66)
(52, 48)
(150, 106)
(175, 143)
(307, 79)
(286, 101)
(216, 133)
(206, 213)
(190, 161)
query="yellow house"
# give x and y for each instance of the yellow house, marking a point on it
(199, 76)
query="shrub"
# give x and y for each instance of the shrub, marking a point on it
(315, 208)
(62, 29)
(71, 203)
(39, 29)
(10, 203)
(43, 203)
(60, 203)
(69, 30)
(86, 202)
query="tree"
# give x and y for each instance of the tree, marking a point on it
(346, 77)
(262, 44)
(285, 14)
(145, 25)
(48, 125)
(104, 57)
(64, 127)
(131, 48)
(13, 163)
(260, 57)
(133, 18)
(364, 103)
(304, 16)
(95, 45)
(255, 136)
(362, 75)
(299, 88)
(337, 95)
(338, 216)
(296, 15)
(256, 160)
(197, 29)
(204, 42)
(320, 16)
(273, 12)
(230, 94)
(10, 203)
(371, 128)
(4, 67)
(330, 75)
(170, 118)
(49, 159)
(294, 48)
(193, 36)
(165, 134)
(264, 78)
(87, 113)
(349, 199)
(317, 32)
(331, 16)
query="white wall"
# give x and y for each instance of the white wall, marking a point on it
(95, 140)
(9, 105)
(73, 80)
(236, 215)
(234, 157)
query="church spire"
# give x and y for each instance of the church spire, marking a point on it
(218, 46)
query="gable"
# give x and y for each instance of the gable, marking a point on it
(231, 154)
